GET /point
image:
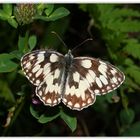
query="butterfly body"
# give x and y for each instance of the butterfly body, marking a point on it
(73, 80)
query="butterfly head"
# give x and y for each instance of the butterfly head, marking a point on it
(69, 55)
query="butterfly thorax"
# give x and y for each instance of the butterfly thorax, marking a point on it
(68, 59)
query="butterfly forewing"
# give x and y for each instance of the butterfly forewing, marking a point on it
(38, 64)
(101, 76)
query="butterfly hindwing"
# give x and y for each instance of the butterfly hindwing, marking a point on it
(50, 92)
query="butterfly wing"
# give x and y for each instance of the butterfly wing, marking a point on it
(87, 78)
(44, 70)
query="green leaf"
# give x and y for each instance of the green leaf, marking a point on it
(131, 85)
(3, 15)
(13, 22)
(17, 54)
(49, 9)
(59, 13)
(23, 43)
(40, 8)
(134, 130)
(128, 62)
(127, 116)
(125, 100)
(6, 64)
(32, 41)
(124, 26)
(132, 48)
(45, 119)
(125, 12)
(5, 91)
(134, 72)
(34, 112)
(70, 121)
(7, 8)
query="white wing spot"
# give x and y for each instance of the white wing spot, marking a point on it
(27, 65)
(31, 57)
(119, 79)
(114, 79)
(70, 103)
(46, 69)
(72, 90)
(96, 91)
(103, 90)
(40, 58)
(86, 63)
(55, 101)
(36, 68)
(57, 73)
(68, 90)
(103, 69)
(113, 72)
(49, 101)
(46, 90)
(24, 62)
(77, 105)
(82, 88)
(92, 73)
(98, 82)
(89, 78)
(113, 85)
(108, 87)
(53, 58)
(103, 79)
(26, 70)
(83, 104)
(76, 77)
(39, 72)
(89, 101)
(30, 74)
(65, 100)
(102, 62)
(44, 98)
(40, 93)
(37, 81)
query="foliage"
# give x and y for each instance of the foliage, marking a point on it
(115, 28)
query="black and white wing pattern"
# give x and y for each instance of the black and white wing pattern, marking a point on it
(74, 81)
(87, 78)
(43, 69)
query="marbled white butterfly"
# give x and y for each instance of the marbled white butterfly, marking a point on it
(74, 81)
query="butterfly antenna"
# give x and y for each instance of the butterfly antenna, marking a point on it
(89, 39)
(53, 32)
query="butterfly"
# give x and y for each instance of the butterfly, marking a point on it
(73, 80)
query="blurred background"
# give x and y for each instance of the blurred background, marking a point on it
(115, 29)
